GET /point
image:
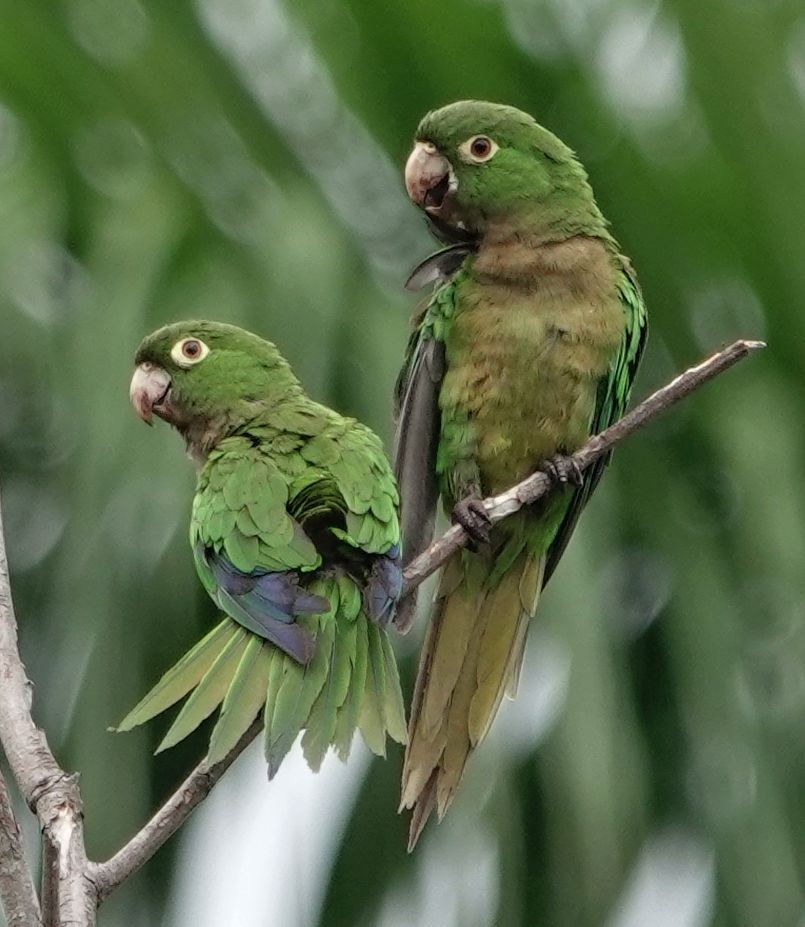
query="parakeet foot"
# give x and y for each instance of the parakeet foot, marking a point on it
(561, 469)
(471, 515)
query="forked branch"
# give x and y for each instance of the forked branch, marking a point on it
(107, 876)
(76, 886)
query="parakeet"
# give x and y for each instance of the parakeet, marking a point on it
(295, 536)
(529, 344)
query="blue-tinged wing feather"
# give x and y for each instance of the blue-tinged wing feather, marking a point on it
(383, 586)
(266, 603)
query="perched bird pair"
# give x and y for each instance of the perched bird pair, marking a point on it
(528, 344)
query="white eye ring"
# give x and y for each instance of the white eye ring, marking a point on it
(189, 351)
(466, 153)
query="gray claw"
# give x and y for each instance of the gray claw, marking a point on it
(561, 469)
(471, 514)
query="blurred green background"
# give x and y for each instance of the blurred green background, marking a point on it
(241, 160)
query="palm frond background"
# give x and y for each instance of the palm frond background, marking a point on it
(240, 159)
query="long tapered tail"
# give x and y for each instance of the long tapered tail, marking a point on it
(471, 657)
(351, 683)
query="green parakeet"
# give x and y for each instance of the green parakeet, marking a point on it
(295, 535)
(529, 343)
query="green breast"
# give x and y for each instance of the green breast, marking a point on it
(523, 366)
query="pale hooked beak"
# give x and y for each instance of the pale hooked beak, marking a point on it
(149, 386)
(429, 177)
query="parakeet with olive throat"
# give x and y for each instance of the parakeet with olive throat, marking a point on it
(295, 536)
(528, 345)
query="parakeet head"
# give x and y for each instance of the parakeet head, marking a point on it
(475, 162)
(207, 378)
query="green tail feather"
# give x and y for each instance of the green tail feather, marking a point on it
(181, 678)
(393, 708)
(351, 683)
(276, 672)
(244, 699)
(209, 693)
(279, 710)
(373, 711)
(296, 696)
(349, 597)
(321, 725)
(349, 714)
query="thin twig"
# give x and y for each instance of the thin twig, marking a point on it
(17, 892)
(107, 876)
(170, 817)
(49, 791)
(539, 484)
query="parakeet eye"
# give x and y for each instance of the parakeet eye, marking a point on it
(189, 351)
(478, 149)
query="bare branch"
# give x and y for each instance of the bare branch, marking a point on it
(107, 876)
(50, 895)
(170, 817)
(539, 484)
(17, 892)
(48, 789)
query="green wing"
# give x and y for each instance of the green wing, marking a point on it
(363, 478)
(417, 439)
(251, 552)
(611, 401)
(256, 526)
(240, 511)
(419, 427)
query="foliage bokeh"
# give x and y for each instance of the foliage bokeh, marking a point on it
(240, 160)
